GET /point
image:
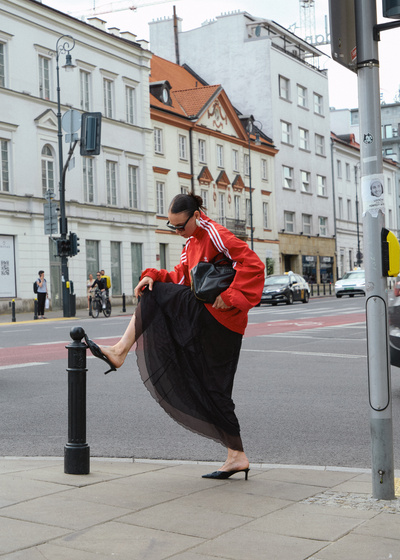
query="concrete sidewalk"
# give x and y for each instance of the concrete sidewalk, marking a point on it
(148, 510)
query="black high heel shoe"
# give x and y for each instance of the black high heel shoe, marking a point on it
(95, 350)
(223, 475)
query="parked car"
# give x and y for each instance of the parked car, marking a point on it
(285, 288)
(351, 283)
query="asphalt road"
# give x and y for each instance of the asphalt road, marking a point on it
(300, 392)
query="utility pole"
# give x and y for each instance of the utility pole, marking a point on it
(379, 385)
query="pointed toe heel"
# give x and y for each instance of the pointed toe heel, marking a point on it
(223, 475)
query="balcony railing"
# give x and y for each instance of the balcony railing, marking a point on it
(237, 227)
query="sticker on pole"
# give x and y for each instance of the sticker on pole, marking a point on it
(372, 194)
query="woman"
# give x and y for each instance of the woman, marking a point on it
(41, 294)
(188, 351)
(88, 288)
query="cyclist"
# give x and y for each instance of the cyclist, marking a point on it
(101, 283)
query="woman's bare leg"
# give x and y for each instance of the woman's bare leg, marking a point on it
(236, 461)
(117, 353)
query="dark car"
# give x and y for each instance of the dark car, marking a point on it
(285, 288)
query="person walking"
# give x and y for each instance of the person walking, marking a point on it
(41, 294)
(187, 350)
(88, 288)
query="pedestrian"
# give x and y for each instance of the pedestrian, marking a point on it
(88, 288)
(102, 286)
(187, 350)
(41, 294)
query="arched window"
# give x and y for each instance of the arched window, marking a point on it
(47, 169)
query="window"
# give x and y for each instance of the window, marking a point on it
(323, 223)
(88, 179)
(348, 172)
(115, 247)
(108, 98)
(387, 131)
(305, 181)
(111, 178)
(306, 219)
(390, 219)
(349, 213)
(92, 257)
(339, 168)
(221, 197)
(136, 262)
(158, 141)
(84, 78)
(182, 147)
(340, 208)
(160, 188)
(286, 129)
(289, 221)
(204, 196)
(303, 139)
(44, 77)
(220, 155)
(246, 164)
(47, 169)
(235, 160)
(389, 185)
(163, 248)
(133, 186)
(287, 177)
(184, 190)
(318, 105)
(130, 104)
(354, 118)
(265, 215)
(2, 66)
(264, 170)
(202, 151)
(248, 212)
(284, 85)
(321, 183)
(301, 96)
(319, 145)
(4, 167)
(237, 207)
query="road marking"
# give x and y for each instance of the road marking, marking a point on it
(48, 343)
(29, 364)
(323, 354)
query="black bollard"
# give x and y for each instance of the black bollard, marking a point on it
(90, 306)
(123, 304)
(35, 315)
(13, 318)
(77, 451)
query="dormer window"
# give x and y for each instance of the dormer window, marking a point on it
(161, 90)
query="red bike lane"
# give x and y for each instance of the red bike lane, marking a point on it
(20, 355)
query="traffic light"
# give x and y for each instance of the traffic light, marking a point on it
(73, 238)
(63, 247)
(391, 9)
(90, 134)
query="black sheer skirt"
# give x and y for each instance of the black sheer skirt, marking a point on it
(187, 360)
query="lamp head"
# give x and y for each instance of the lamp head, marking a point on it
(69, 66)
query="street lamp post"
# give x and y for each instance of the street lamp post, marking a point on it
(64, 45)
(249, 131)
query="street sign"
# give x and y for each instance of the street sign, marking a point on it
(71, 121)
(50, 218)
(343, 33)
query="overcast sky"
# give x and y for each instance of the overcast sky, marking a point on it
(343, 82)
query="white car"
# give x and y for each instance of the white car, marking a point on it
(350, 284)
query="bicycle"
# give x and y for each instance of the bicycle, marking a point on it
(96, 305)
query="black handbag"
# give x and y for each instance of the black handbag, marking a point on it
(209, 279)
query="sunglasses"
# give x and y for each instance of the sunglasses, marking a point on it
(178, 228)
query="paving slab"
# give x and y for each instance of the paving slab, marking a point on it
(311, 477)
(128, 542)
(360, 547)
(15, 488)
(17, 534)
(385, 525)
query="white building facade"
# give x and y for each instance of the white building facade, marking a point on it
(109, 198)
(269, 72)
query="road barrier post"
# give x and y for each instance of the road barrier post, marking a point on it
(123, 304)
(35, 308)
(77, 451)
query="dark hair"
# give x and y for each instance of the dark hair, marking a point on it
(40, 272)
(186, 203)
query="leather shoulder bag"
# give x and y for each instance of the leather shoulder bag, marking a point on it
(209, 279)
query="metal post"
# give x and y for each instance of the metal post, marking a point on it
(13, 318)
(64, 45)
(77, 451)
(123, 304)
(35, 308)
(373, 222)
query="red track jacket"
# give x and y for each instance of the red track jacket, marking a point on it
(209, 240)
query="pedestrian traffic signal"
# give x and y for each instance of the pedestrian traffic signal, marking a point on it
(73, 238)
(391, 9)
(63, 247)
(90, 134)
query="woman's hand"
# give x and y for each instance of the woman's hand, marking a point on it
(219, 303)
(146, 281)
